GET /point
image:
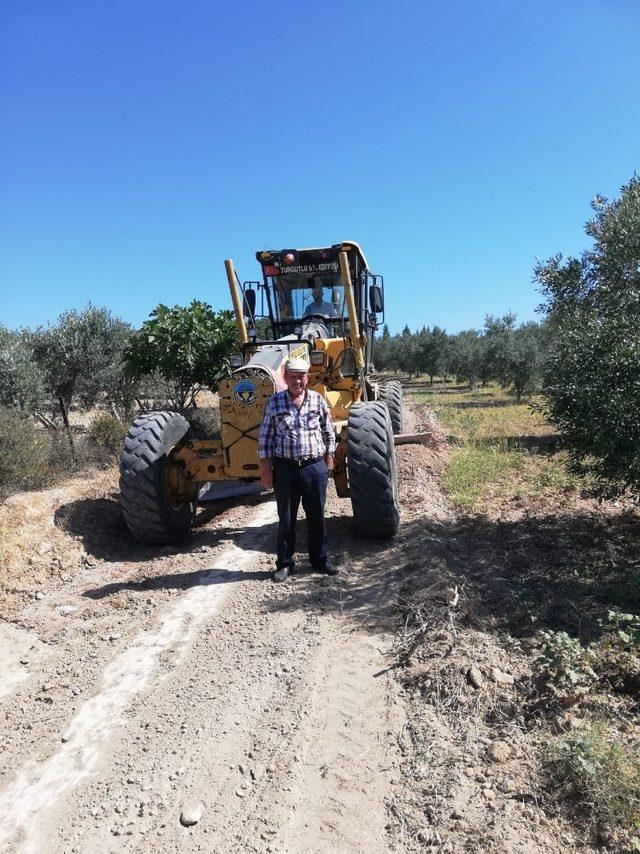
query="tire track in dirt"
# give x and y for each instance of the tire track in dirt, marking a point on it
(346, 780)
(336, 772)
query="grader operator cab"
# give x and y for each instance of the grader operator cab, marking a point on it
(320, 304)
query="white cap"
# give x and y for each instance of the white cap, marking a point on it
(295, 363)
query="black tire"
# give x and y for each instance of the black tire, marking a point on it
(391, 393)
(371, 466)
(143, 498)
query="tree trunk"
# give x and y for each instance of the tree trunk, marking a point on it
(65, 418)
(46, 422)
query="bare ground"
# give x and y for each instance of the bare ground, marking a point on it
(136, 683)
(139, 682)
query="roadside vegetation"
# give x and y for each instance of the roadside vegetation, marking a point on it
(529, 638)
(500, 448)
(68, 391)
(552, 575)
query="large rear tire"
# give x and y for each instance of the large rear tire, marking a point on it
(391, 394)
(149, 512)
(371, 466)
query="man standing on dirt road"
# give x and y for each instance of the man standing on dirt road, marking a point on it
(296, 446)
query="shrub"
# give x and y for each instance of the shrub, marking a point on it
(602, 774)
(24, 453)
(107, 432)
(204, 422)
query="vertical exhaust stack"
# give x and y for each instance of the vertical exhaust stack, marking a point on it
(356, 340)
(237, 302)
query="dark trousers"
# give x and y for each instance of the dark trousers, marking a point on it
(290, 484)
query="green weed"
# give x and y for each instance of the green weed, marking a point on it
(625, 628)
(565, 667)
(601, 774)
(473, 468)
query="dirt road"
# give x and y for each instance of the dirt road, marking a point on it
(139, 686)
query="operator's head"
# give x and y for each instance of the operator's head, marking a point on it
(316, 283)
(296, 375)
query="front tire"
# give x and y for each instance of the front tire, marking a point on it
(371, 466)
(147, 507)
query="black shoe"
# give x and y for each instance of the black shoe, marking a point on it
(327, 568)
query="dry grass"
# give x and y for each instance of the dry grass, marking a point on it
(502, 448)
(4, 546)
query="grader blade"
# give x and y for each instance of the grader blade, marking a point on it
(412, 439)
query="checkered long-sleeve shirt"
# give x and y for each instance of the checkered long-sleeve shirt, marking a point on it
(297, 434)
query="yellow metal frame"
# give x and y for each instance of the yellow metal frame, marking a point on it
(237, 302)
(197, 461)
(354, 329)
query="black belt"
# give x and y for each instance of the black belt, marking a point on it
(286, 461)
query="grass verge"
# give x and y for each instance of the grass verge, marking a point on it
(501, 448)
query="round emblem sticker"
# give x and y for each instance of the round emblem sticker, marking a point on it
(244, 392)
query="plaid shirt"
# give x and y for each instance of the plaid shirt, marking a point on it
(297, 434)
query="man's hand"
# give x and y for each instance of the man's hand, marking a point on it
(330, 462)
(266, 474)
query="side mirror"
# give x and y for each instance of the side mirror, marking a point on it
(249, 307)
(376, 303)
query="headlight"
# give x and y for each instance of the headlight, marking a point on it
(236, 360)
(317, 357)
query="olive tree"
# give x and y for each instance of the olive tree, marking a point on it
(498, 341)
(466, 359)
(80, 356)
(431, 347)
(22, 385)
(521, 369)
(593, 375)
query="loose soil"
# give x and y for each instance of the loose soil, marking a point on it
(140, 684)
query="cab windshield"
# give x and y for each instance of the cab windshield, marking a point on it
(298, 297)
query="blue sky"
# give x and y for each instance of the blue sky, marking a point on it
(143, 142)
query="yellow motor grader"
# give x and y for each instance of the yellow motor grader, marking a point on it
(323, 304)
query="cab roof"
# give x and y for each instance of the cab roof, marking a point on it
(346, 245)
